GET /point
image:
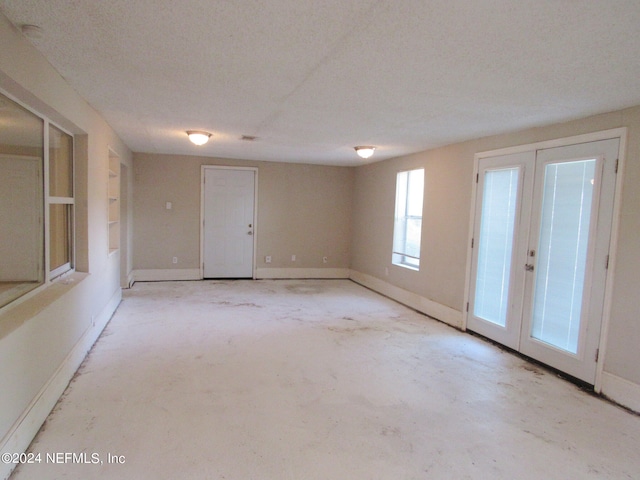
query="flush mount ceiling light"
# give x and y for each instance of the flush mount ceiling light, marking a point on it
(364, 152)
(198, 137)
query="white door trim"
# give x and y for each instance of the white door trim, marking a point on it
(203, 169)
(620, 133)
(613, 249)
(558, 142)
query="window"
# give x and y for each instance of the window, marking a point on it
(36, 203)
(60, 201)
(407, 229)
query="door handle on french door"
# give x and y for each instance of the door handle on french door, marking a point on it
(528, 267)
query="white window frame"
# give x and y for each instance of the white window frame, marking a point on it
(69, 267)
(51, 200)
(399, 255)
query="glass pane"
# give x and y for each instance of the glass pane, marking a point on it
(401, 193)
(562, 253)
(415, 193)
(399, 234)
(412, 241)
(60, 163)
(495, 245)
(21, 201)
(60, 234)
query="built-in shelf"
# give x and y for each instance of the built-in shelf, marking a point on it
(113, 196)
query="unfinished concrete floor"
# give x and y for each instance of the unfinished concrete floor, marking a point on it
(276, 380)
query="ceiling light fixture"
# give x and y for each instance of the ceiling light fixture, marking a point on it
(364, 152)
(198, 137)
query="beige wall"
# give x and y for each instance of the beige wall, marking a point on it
(449, 177)
(43, 338)
(445, 221)
(303, 210)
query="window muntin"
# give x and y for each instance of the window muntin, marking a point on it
(407, 230)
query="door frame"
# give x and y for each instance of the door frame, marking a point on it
(620, 133)
(203, 169)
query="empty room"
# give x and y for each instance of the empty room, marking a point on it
(308, 240)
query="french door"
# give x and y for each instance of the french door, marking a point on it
(228, 222)
(540, 252)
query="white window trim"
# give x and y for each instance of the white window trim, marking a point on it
(63, 271)
(400, 259)
(69, 267)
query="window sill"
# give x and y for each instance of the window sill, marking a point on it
(31, 304)
(408, 267)
(13, 291)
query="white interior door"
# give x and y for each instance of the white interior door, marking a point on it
(541, 242)
(228, 223)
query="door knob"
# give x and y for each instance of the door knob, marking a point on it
(528, 267)
(249, 233)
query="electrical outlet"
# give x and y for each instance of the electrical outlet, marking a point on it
(174, 260)
(293, 258)
(325, 259)
(267, 259)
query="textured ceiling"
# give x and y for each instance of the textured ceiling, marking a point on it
(312, 79)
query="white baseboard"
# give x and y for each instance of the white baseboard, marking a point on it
(435, 310)
(159, 275)
(621, 391)
(27, 426)
(282, 273)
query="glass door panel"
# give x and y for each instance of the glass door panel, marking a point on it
(495, 245)
(562, 253)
